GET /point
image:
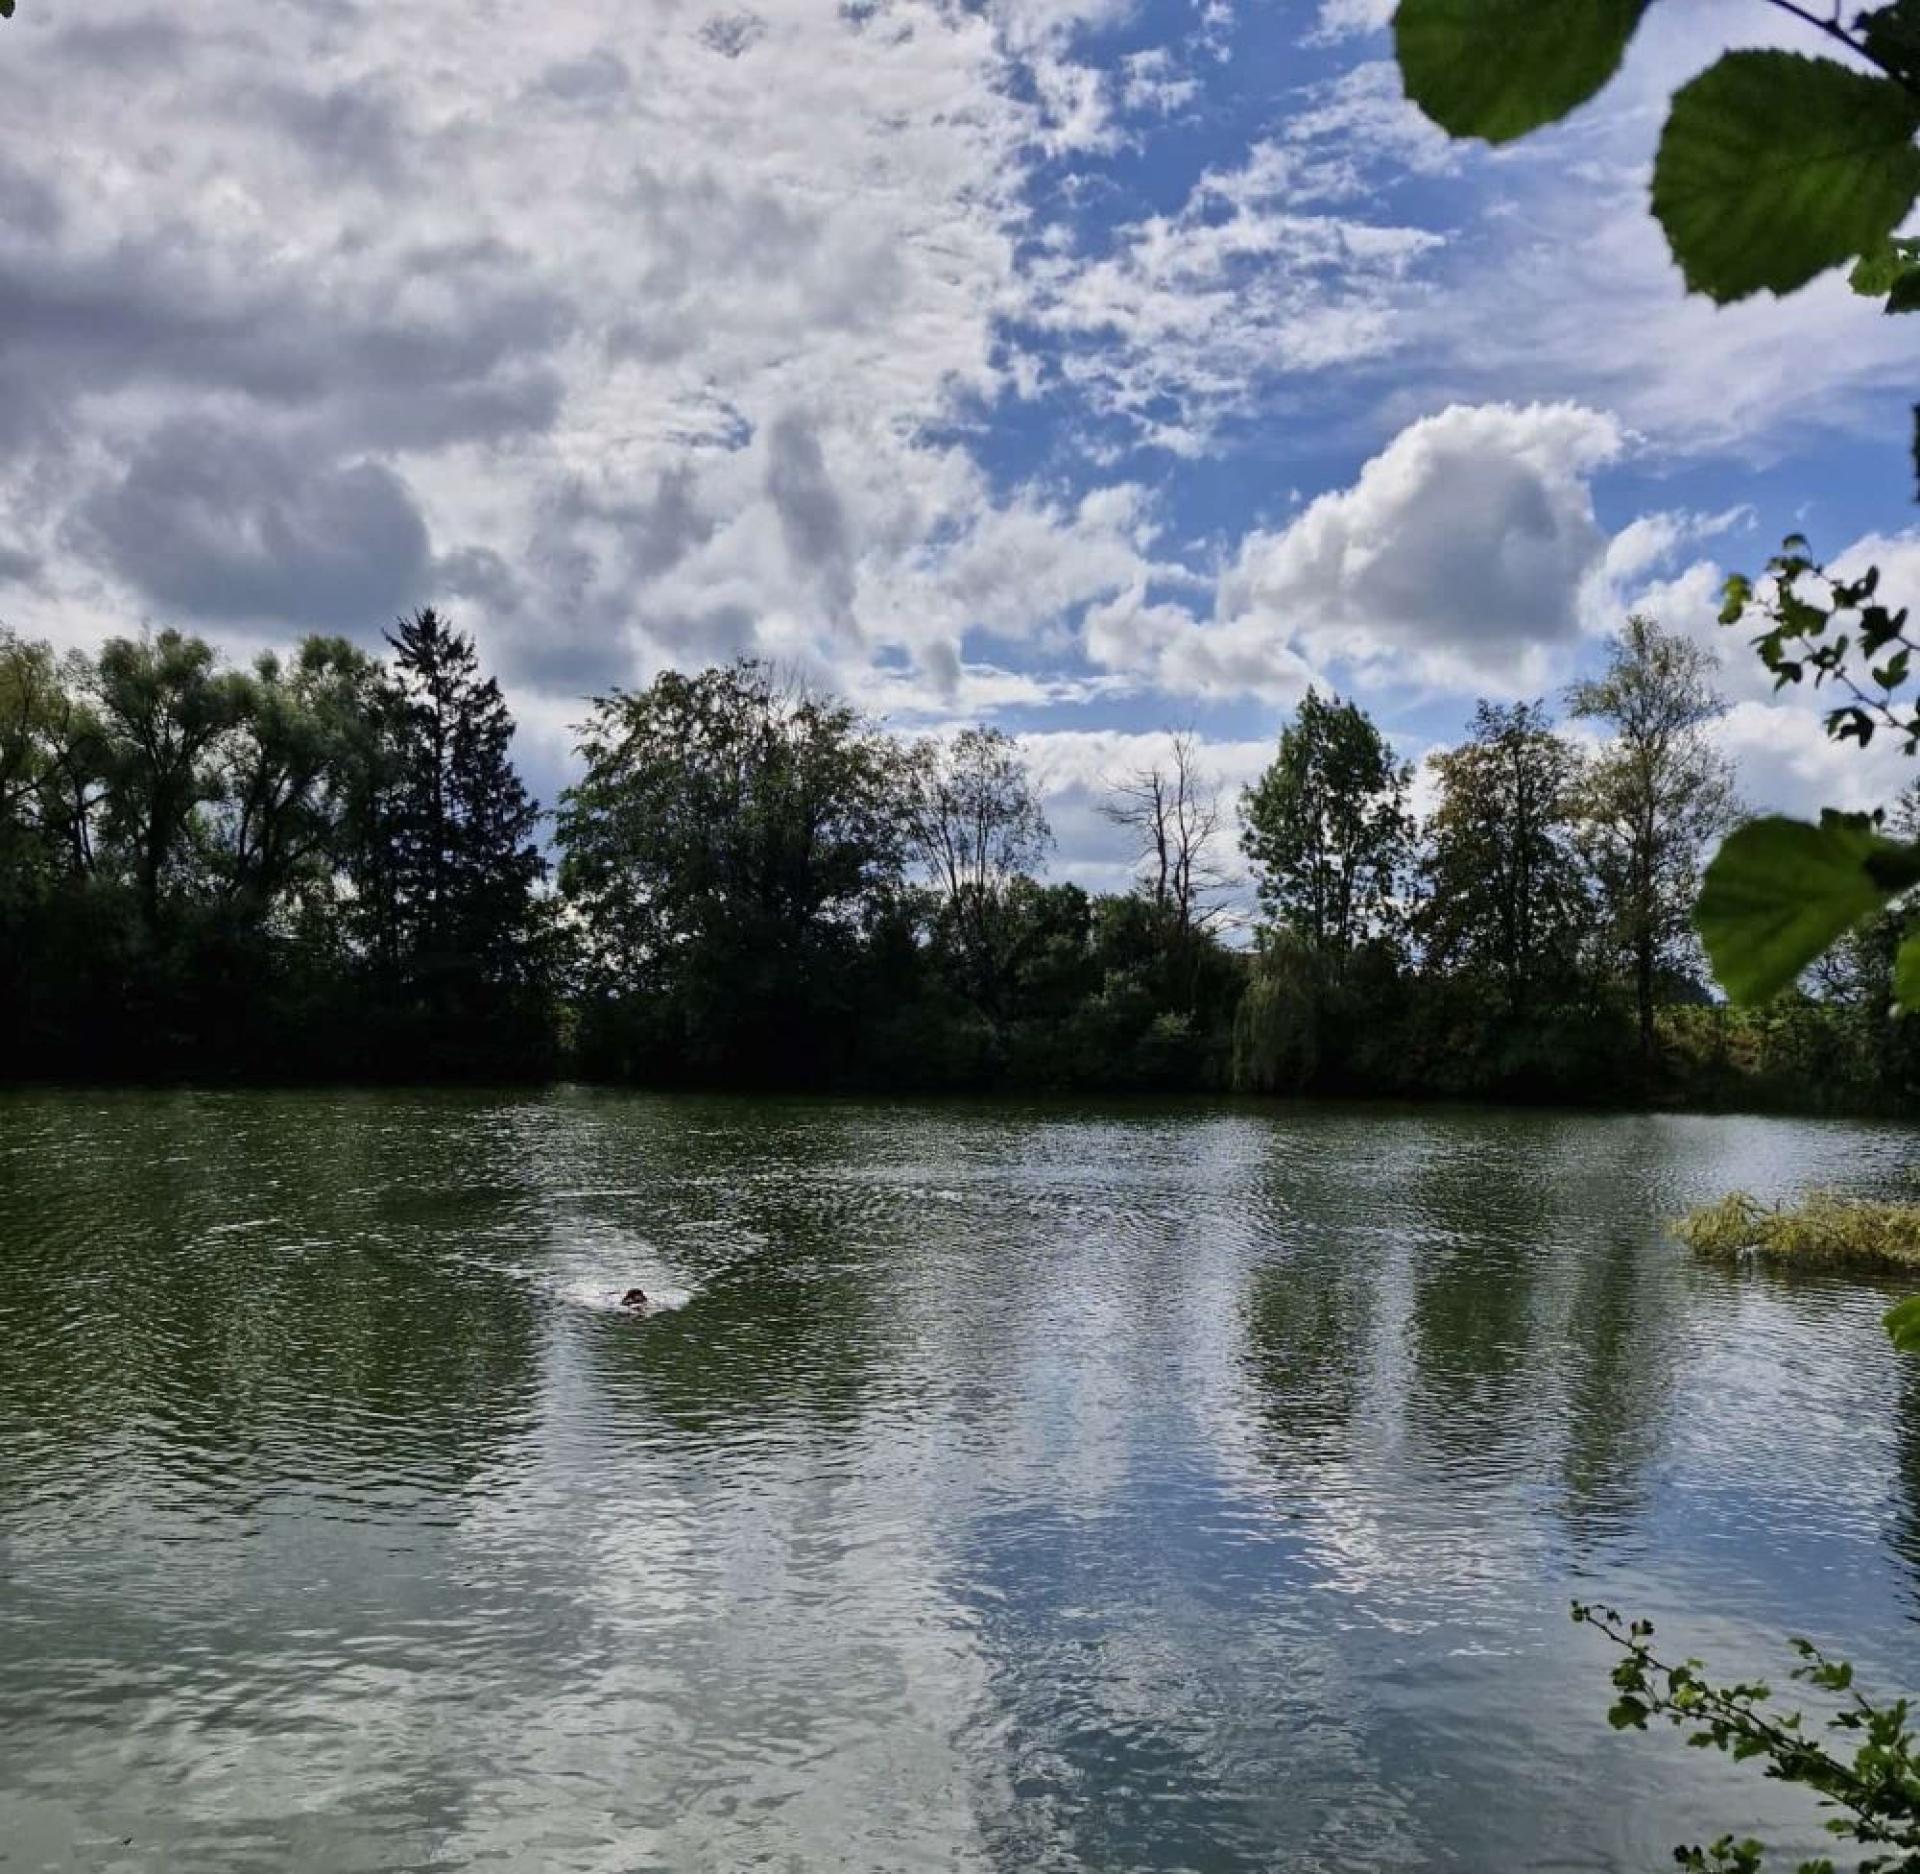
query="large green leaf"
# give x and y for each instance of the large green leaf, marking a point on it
(1902, 1322)
(1774, 167)
(1499, 68)
(1780, 891)
(1906, 975)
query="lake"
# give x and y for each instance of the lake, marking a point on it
(1012, 1487)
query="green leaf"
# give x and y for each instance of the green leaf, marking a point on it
(1906, 975)
(1891, 271)
(1875, 272)
(1902, 1322)
(1780, 891)
(1773, 167)
(1499, 68)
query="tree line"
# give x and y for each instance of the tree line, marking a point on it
(326, 866)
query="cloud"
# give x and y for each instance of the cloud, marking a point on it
(1359, 129)
(1348, 19)
(1687, 600)
(1174, 653)
(1152, 82)
(1776, 737)
(1456, 558)
(1559, 281)
(594, 81)
(658, 371)
(212, 523)
(454, 349)
(1786, 762)
(812, 519)
(1655, 539)
(949, 353)
(1188, 319)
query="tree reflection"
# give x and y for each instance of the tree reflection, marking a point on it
(1481, 1234)
(1617, 1365)
(1309, 1327)
(220, 1284)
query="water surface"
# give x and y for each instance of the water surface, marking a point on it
(1011, 1488)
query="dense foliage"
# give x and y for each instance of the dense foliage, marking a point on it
(327, 866)
(317, 866)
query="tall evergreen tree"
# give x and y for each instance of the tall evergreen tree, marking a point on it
(447, 868)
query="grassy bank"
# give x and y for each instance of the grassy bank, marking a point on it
(1821, 1230)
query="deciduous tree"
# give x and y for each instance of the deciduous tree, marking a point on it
(975, 824)
(1505, 898)
(1327, 829)
(1653, 800)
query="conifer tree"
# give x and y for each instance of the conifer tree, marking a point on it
(448, 870)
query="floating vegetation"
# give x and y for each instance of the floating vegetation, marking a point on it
(1820, 1230)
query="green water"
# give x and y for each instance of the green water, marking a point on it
(1014, 1488)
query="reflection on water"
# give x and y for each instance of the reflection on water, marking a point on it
(1014, 1489)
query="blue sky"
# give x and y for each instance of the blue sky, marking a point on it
(1084, 367)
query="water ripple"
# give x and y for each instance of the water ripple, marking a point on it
(1003, 1488)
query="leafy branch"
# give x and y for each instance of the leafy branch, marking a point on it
(1780, 892)
(1772, 166)
(1807, 607)
(1872, 1786)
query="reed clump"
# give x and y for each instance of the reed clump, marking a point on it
(1820, 1230)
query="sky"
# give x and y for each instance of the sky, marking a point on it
(1083, 367)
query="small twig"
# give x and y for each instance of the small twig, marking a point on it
(1832, 29)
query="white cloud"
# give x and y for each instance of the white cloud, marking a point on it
(1786, 763)
(1191, 316)
(1456, 558)
(1361, 125)
(646, 335)
(1563, 284)
(1348, 19)
(1173, 652)
(1776, 737)
(1653, 540)
(1153, 83)
(643, 334)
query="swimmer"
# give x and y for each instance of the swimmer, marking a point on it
(636, 1299)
